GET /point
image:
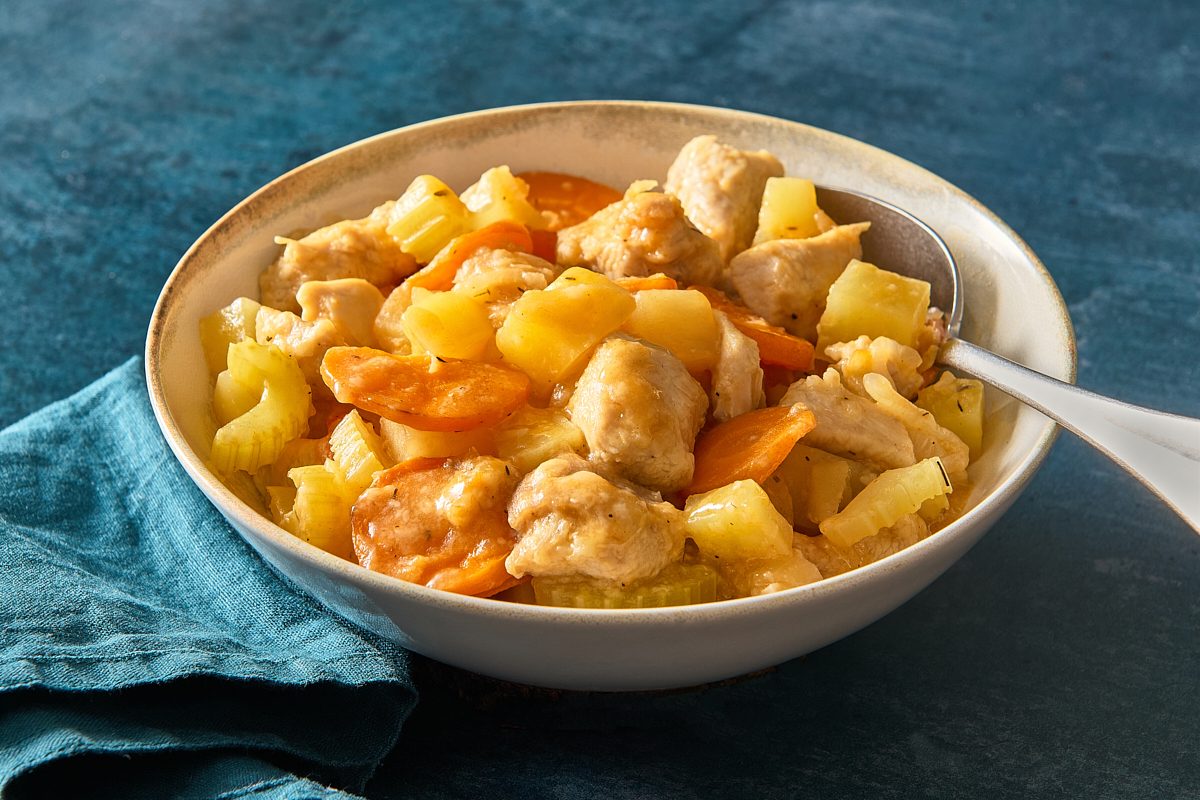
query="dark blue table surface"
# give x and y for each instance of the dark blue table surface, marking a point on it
(1061, 657)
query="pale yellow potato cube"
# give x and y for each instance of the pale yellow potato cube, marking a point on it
(868, 301)
(957, 405)
(819, 483)
(549, 333)
(737, 521)
(680, 321)
(789, 210)
(448, 325)
(403, 443)
(533, 435)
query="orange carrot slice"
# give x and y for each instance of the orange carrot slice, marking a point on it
(568, 199)
(400, 527)
(748, 447)
(438, 275)
(422, 391)
(655, 281)
(775, 345)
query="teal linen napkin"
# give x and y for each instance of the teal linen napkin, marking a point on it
(147, 650)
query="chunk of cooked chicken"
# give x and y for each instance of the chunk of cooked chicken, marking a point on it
(572, 521)
(928, 437)
(639, 411)
(441, 523)
(306, 341)
(766, 575)
(849, 425)
(351, 304)
(353, 248)
(899, 363)
(737, 375)
(645, 233)
(786, 281)
(497, 278)
(721, 189)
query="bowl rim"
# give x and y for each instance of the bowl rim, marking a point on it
(229, 504)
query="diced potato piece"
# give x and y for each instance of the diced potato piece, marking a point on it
(448, 325)
(737, 521)
(868, 301)
(403, 443)
(894, 494)
(549, 333)
(676, 585)
(819, 483)
(679, 320)
(781, 497)
(499, 195)
(321, 512)
(788, 211)
(533, 435)
(222, 328)
(257, 437)
(231, 398)
(357, 451)
(957, 405)
(426, 217)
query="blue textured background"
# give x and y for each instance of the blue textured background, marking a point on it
(1061, 657)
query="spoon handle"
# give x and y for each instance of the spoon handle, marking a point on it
(1161, 450)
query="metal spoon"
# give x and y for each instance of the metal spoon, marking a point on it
(1160, 450)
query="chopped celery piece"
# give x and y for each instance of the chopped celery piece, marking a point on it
(256, 438)
(894, 494)
(676, 585)
(320, 514)
(357, 451)
(427, 216)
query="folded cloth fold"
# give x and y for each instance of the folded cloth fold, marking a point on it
(140, 629)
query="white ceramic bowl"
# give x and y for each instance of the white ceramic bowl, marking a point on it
(1013, 308)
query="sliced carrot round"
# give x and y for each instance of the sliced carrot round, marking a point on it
(422, 391)
(750, 446)
(568, 199)
(775, 345)
(438, 274)
(401, 526)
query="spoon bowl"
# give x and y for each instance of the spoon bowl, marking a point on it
(1160, 450)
